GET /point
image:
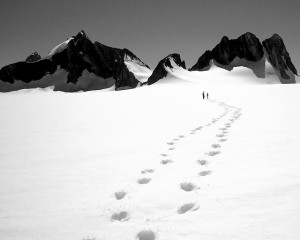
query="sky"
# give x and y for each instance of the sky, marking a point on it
(150, 29)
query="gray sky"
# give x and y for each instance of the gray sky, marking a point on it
(150, 29)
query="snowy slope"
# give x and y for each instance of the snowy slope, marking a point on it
(138, 68)
(156, 162)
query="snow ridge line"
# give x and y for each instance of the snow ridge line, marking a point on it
(221, 136)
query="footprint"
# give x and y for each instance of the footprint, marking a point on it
(202, 162)
(164, 162)
(171, 149)
(164, 155)
(223, 129)
(223, 140)
(181, 136)
(144, 180)
(216, 145)
(146, 235)
(204, 173)
(187, 186)
(120, 195)
(187, 207)
(147, 171)
(220, 135)
(198, 128)
(170, 143)
(120, 216)
(213, 153)
(175, 139)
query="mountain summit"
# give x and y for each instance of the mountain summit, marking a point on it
(279, 57)
(164, 66)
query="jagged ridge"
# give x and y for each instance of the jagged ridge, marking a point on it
(75, 55)
(251, 53)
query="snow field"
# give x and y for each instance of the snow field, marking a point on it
(156, 162)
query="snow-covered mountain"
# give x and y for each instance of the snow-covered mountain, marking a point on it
(165, 66)
(248, 51)
(74, 65)
(77, 64)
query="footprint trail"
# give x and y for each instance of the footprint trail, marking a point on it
(217, 130)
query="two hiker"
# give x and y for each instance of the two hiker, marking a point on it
(203, 95)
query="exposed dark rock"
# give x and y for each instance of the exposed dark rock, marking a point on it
(279, 58)
(247, 47)
(247, 51)
(124, 78)
(203, 62)
(26, 71)
(160, 71)
(224, 52)
(78, 54)
(33, 57)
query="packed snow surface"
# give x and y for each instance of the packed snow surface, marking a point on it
(156, 162)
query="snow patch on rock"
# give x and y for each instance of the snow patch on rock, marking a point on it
(59, 47)
(138, 68)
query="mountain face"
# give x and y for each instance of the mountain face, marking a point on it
(246, 47)
(167, 63)
(279, 57)
(76, 65)
(248, 51)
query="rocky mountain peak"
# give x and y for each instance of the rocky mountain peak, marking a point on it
(279, 58)
(248, 51)
(167, 62)
(83, 65)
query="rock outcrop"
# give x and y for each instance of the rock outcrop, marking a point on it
(33, 57)
(168, 62)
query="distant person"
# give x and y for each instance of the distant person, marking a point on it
(206, 95)
(203, 95)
